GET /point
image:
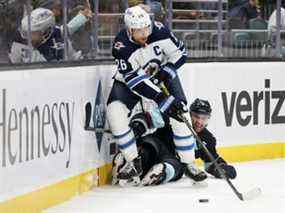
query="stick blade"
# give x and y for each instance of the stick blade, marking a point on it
(252, 194)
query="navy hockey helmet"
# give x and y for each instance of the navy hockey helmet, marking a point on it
(200, 106)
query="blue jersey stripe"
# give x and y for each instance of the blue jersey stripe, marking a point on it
(122, 135)
(166, 104)
(126, 145)
(185, 148)
(176, 137)
(136, 80)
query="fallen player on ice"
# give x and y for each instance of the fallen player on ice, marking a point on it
(160, 162)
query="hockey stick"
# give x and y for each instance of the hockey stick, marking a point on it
(245, 196)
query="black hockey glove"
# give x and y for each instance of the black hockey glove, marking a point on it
(171, 106)
(229, 170)
(140, 123)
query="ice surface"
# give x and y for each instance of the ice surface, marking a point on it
(182, 196)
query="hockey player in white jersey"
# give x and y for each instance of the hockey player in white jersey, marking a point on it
(139, 49)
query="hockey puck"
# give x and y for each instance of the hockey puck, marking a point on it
(203, 200)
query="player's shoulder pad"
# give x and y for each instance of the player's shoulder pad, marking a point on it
(159, 32)
(122, 46)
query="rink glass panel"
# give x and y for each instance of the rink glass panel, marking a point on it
(206, 28)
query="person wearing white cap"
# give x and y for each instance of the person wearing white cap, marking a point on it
(47, 38)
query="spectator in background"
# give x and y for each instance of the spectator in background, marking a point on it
(272, 28)
(245, 10)
(134, 2)
(272, 25)
(157, 9)
(151, 6)
(82, 40)
(251, 10)
(11, 13)
(55, 6)
(47, 38)
(269, 48)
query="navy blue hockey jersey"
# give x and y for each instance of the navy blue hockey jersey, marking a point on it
(50, 50)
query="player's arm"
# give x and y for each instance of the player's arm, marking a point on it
(135, 78)
(78, 21)
(211, 143)
(137, 81)
(143, 86)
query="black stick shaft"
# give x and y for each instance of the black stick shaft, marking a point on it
(220, 170)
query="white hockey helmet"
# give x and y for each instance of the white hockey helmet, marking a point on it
(137, 18)
(42, 20)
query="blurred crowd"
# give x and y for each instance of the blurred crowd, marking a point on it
(46, 19)
(14, 24)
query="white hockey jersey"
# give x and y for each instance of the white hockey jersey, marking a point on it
(132, 59)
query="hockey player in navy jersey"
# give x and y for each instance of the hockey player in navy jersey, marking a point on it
(160, 164)
(200, 111)
(140, 50)
(47, 38)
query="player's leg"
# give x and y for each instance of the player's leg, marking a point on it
(121, 166)
(175, 165)
(166, 167)
(166, 134)
(185, 144)
(149, 155)
(148, 151)
(183, 139)
(120, 103)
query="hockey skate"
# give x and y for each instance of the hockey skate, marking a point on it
(118, 163)
(155, 176)
(126, 173)
(194, 173)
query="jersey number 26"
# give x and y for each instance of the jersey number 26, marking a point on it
(122, 65)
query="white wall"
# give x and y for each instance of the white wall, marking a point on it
(213, 81)
(60, 97)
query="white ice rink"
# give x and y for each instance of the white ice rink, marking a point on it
(182, 196)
